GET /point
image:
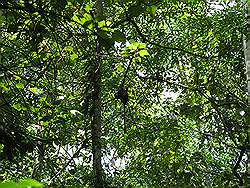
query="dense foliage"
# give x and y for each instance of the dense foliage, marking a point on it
(173, 92)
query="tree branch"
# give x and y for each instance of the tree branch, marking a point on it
(144, 39)
(237, 164)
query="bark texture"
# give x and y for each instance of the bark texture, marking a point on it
(97, 117)
(247, 59)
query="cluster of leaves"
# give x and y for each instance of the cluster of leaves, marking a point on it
(25, 183)
(181, 62)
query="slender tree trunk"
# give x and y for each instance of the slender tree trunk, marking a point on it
(97, 118)
(247, 59)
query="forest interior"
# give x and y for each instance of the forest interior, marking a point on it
(124, 93)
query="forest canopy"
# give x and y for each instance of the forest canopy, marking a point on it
(123, 93)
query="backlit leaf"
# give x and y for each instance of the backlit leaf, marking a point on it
(143, 52)
(73, 56)
(20, 85)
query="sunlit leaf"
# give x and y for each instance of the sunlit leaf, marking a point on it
(141, 45)
(73, 56)
(34, 90)
(143, 52)
(26, 183)
(68, 48)
(76, 19)
(152, 9)
(101, 23)
(88, 7)
(17, 106)
(9, 184)
(20, 85)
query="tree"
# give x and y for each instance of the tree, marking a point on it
(158, 86)
(247, 59)
(96, 98)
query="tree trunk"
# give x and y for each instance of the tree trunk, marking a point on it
(97, 118)
(247, 59)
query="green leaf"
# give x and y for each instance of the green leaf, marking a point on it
(119, 68)
(68, 48)
(17, 77)
(9, 184)
(101, 23)
(13, 37)
(73, 56)
(25, 183)
(88, 7)
(34, 90)
(60, 4)
(142, 45)
(135, 11)
(105, 40)
(151, 10)
(132, 46)
(23, 108)
(136, 59)
(45, 123)
(86, 17)
(76, 19)
(3, 87)
(118, 36)
(20, 85)
(143, 53)
(17, 106)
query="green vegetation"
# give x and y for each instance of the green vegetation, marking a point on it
(123, 93)
(26, 183)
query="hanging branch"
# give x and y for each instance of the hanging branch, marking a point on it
(122, 93)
